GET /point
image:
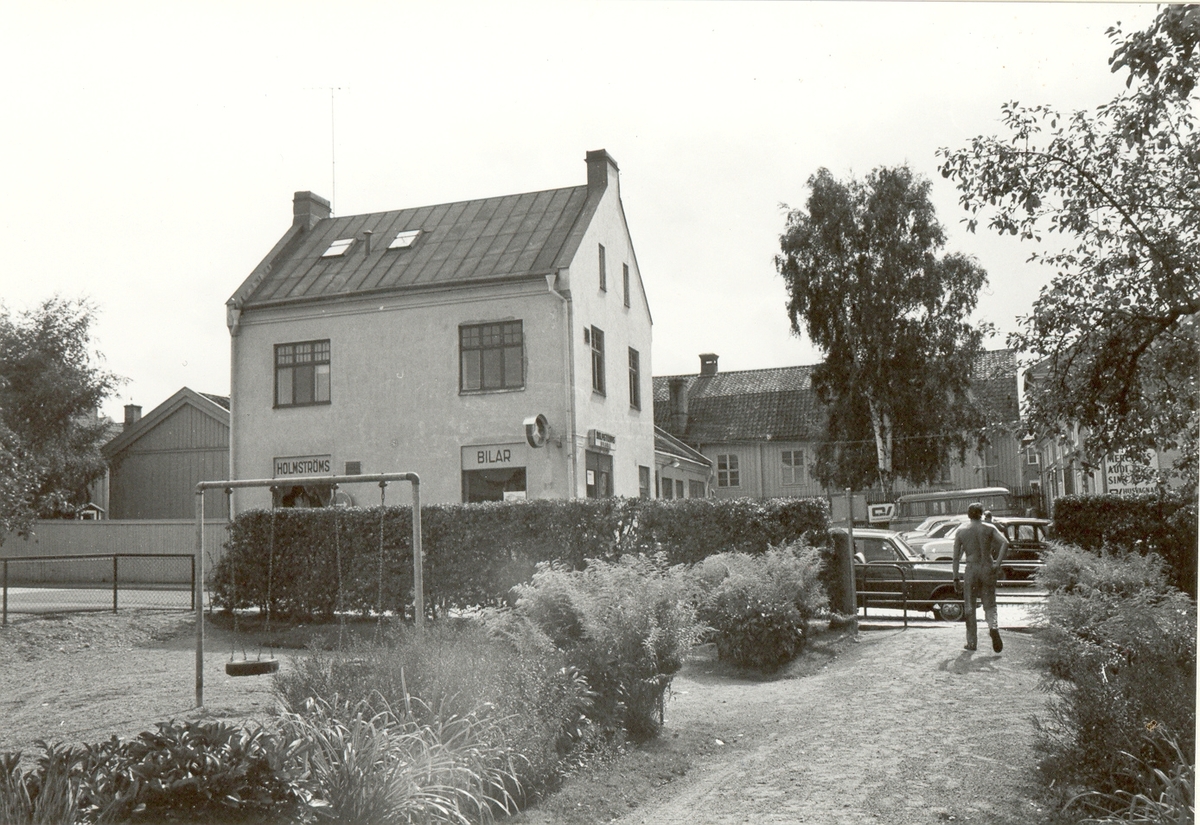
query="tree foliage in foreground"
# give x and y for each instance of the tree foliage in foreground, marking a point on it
(1115, 331)
(867, 281)
(50, 389)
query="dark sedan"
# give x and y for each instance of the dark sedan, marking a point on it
(886, 567)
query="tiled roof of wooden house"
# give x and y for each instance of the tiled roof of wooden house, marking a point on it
(779, 404)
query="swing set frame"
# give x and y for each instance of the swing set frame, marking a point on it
(382, 479)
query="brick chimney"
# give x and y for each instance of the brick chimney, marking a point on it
(708, 363)
(677, 405)
(308, 209)
(602, 171)
(133, 412)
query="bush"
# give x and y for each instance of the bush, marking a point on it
(316, 562)
(187, 772)
(627, 626)
(1163, 524)
(759, 607)
(1120, 659)
(505, 674)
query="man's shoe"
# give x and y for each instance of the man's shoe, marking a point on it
(969, 646)
(997, 645)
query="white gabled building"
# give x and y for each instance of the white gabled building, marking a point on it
(424, 339)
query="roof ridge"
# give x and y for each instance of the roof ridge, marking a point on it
(452, 203)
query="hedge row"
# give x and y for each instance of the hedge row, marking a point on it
(1163, 524)
(316, 561)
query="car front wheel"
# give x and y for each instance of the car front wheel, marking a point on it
(947, 606)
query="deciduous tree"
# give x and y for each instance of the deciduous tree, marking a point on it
(867, 280)
(1115, 330)
(50, 390)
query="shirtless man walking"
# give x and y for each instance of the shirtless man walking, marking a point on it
(984, 547)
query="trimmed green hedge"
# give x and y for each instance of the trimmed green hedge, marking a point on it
(476, 553)
(1163, 524)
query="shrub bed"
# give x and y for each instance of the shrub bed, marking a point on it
(1120, 662)
(314, 562)
(1164, 524)
(758, 608)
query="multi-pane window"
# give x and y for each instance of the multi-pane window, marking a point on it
(492, 356)
(635, 380)
(695, 488)
(302, 373)
(597, 339)
(643, 481)
(727, 470)
(1031, 454)
(625, 281)
(603, 271)
(793, 466)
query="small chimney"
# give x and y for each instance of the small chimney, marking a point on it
(308, 209)
(133, 412)
(601, 170)
(367, 242)
(677, 405)
(708, 363)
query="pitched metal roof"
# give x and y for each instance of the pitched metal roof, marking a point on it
(508, 237)
(779, 404)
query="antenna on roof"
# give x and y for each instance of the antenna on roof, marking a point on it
(332, 150)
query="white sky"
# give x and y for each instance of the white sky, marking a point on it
(151, 149)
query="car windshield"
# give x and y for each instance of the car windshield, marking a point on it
(910, 554)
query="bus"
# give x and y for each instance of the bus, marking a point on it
(914, 508)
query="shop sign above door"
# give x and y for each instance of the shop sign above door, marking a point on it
(302, 465)
(495, 456)
(600, 440)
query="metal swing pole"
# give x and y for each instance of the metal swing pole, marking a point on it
(231, 484)
(198, 595)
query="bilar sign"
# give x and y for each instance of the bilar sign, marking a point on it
(494, 456)
(303, 465)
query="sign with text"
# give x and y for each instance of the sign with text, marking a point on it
(495, 456)
(1119, 477)
(600, 440)
(877, 513)
(302, 465)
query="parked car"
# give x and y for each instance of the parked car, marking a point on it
(945, 530)
(1028, 539)
(928, 525)
(886, 565)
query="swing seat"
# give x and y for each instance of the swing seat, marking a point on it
(252, 667)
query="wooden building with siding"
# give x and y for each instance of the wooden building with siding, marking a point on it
(156, 461)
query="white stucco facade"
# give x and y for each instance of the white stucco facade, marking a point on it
(396, 399)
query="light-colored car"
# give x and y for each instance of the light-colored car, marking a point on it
(1027, 539)
(945, 530)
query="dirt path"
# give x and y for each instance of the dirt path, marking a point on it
(904, 727)
(900, 727)
(80, 678)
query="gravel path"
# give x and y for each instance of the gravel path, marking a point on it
(904, 727)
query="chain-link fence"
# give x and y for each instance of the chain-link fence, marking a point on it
(97, 581)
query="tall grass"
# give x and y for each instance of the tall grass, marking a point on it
(499, 670)
(378, 768)
(1168, 796)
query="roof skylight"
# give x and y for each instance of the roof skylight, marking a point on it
(338, 248)
(404, 239)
